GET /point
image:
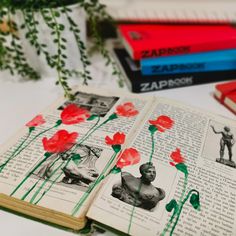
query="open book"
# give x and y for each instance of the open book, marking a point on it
(141, 165)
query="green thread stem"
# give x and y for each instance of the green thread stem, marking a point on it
(53, 182)
(28, 192)
(35, 137)
(152, 151)
(179, 203)
(169, 223)
(49, 168)
(98, 180)
(133, 209)
(44, 183)
(85, 136)
(180, 209)
(28, 175)
(14, 152)
(45, 192)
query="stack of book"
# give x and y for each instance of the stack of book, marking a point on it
(161, 56)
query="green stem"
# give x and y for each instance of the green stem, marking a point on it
(45, 192)
(14, 152)
(91, 187)
(28, 175)
(169, 223)
(45, 182)
(85, 136)
(179, 203)
(28, 192)
(180, 209)
(152, 151)
(132, 212)
(53, 182)
(35, 137)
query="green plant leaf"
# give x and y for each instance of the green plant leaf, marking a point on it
(116, 148)
(76, 158)
(92, 117)
(152, 129)
(115, 170)
(182, 167)
(171, 205)
(113, 116)
(195, 201)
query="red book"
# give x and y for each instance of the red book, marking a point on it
(225, 93)
(154, 40)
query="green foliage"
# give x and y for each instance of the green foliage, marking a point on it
(12, 57)
(152, 129)
(195, 201)
(172, 205)
(92, 117)
(76, 158)
(182, 167)
(115, 170)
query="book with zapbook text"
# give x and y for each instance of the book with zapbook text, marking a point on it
(139, 83)
(157, 40)
(140, 165)
(220, 60)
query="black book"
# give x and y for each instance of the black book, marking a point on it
(139, 83)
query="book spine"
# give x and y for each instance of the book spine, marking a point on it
(178, 68)
(185, 49)
(156, 84)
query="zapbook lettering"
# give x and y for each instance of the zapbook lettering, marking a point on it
(165, 51)
(171, 83)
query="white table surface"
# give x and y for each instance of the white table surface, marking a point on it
(20, 101)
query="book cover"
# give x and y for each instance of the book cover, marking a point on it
(219, 60)
(145, 41)
(139, 83)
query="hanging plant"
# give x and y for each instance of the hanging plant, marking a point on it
(57, 17)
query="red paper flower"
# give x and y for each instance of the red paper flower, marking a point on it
(162, 123)
(127, 109)
(72, 114)
(36, 121)
(61, 141)
(118, 139)
(129, 156)
(176, 157)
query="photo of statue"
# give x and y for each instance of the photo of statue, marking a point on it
(139, 191)
(74, 173)
(226, 140)
(96, 104)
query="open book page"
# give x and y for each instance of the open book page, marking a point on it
(184, 182)
(57, 159)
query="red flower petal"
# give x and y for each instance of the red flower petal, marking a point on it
(172, 163)
(36, 121)
(162, 123)
(72, 114)
(61, 141)
(118, 139)
(176, 156)
(129, 156)
(127, 109)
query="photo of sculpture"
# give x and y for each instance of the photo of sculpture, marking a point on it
(96, 104)
(72, 169)
(139, 191)
(223, 140)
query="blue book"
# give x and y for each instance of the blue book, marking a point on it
(198, 62)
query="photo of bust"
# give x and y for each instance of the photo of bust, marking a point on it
(139, 191)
